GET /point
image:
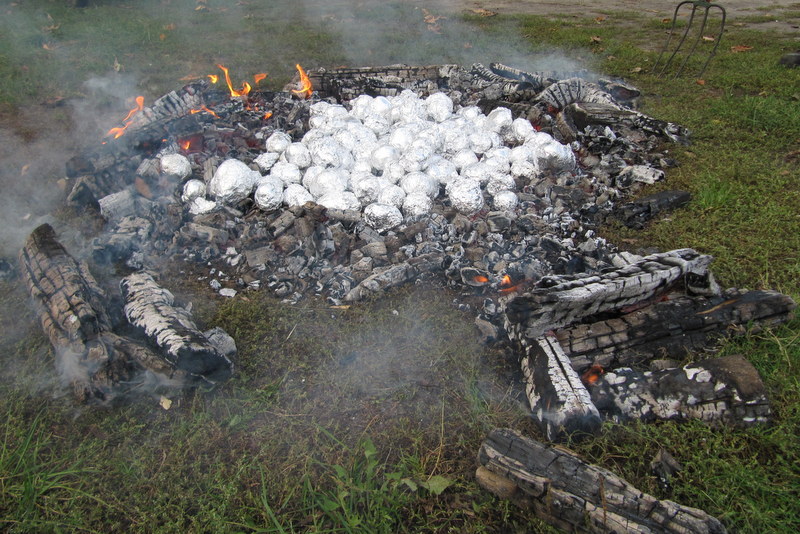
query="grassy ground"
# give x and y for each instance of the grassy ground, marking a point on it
(368, 419)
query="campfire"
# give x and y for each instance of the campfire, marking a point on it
(488, 180)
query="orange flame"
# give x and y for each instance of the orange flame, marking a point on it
(185, 145)
(592, 375)
(200, 110)
(307, 89)
(246, 87)
(117, 132)
(479, 278)
(258, 77)
(213, 77)
(267, 115)
(505, 281)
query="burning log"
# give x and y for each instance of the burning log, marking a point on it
(674, 327)
(73, 314)
(720, 390)
(563, 300)
(560, 403)
(573, 495)
(150, 307)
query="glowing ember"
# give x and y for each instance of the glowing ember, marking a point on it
(117, 132)
(307, 89)
(185, 145)
(267, 115)
(505, 281)
(200, 110)
(258, 77)
(246, 87)
(479, 278)
(592, 375)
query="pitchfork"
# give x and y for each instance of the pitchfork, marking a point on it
(696, 6)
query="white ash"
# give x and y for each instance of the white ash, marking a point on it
(296, 195)
(269, 193)
(278, 142)
(417, 203)
(266, 160)
(297, 154)
(193, 189)
(233, 182)
(382, 217)
(288, 173)
(176, 165)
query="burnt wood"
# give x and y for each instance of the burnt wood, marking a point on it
(560, 403)
(151, 308)
(672, 328)
(720, 390)
(568, 493)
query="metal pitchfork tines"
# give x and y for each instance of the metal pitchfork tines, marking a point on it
(697, 5)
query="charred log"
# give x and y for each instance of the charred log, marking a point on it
(563, 300)
(721, 390)
(559, 402)
(573, 495)
(150, 307)
(638, 213)
(673, 327)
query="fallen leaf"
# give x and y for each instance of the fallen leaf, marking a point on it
(636, 69)
(600, 19)
(169, 27)
(700, 82)
(48, 46)
(708, 38)
(24, 170)
(484, 12)
(467, 46)
(436, 484)
(162, 36)
(117, 65)
(666, 21)
(165, 402)
(596, 39)
(740, 48)
(51, 28)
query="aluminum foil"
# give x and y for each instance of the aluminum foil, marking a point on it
(327, 181)
(233, 182)
(297, 154)
(368, 189)
(382, 217)
(555, 156)
(440, 169)
(417, 204)
(394, 172)
(392, 195)
(176, 165)
(266, 160)
(296, 195)
(499, 120)
(193, 189)
(478, 171)
(383, 155)
(340, 200)
(200, 205)
(465, 195)
(439, 107)
(327, 152)
(522, 130)
(286, 172)
(419, 182)
(413, 159)
(480, 142)
(505, 201)
(278, 142)
(500, 182)
(464, 159)
(269, 193)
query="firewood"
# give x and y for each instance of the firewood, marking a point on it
(719, 390)
(673, 327)
(150, 307)
(568, 493)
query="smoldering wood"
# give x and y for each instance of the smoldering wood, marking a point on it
(638, 213)
(573, 495)
(560, 403)
(395, 275)
(674, 327)
(720, 390)
(151, 307)
(559, 301)
(97, 363)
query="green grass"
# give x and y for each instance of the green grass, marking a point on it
(368, 419)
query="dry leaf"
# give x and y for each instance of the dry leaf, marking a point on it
(484, 12)
(740, 48)
(600, 19)
(162, 36)
(52, 27)
(708, 38)
(48, 46)
(165, 402)
(700, 82)
(636, 69)
(117, 65)
(169, 27)
(666, 21)
(596, 39)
